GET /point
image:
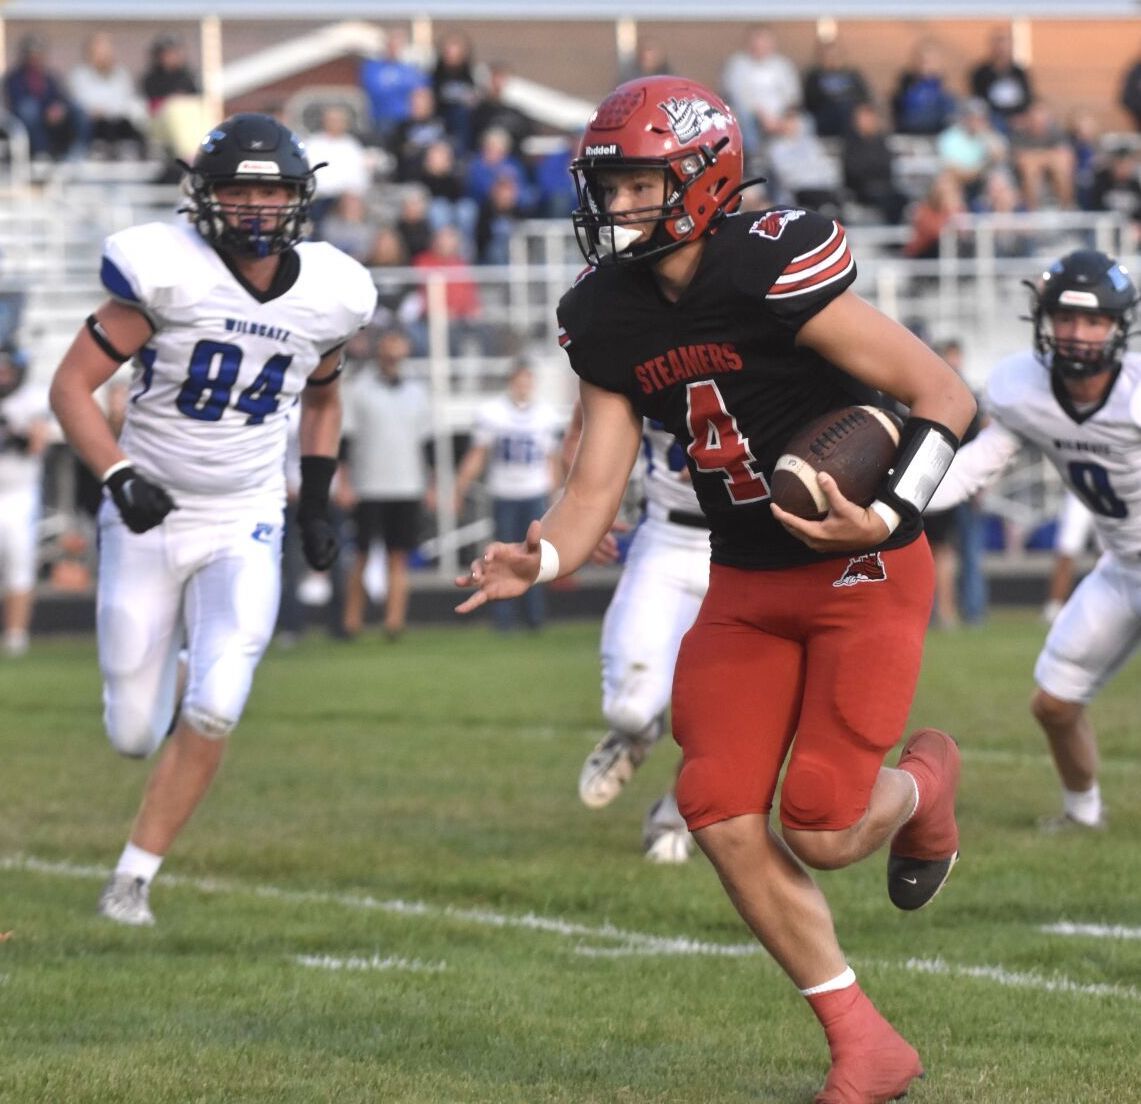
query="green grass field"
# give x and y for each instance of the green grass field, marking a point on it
(393, 894)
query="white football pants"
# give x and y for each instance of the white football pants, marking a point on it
(657, 598)
(209, 576)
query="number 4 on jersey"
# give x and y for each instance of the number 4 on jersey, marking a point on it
(717, 445)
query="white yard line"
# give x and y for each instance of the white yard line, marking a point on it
(618, 942)
(1094, 931)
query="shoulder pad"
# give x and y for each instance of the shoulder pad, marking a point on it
(157, 265)
(347, 283)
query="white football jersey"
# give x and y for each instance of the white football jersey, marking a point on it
(1099, 458)
(665, 477)
(212, 388)
(520, 441)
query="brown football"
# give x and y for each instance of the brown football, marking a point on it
(855, 445)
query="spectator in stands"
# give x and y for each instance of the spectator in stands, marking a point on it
(649, 59)
(168, 74)
(387, 425)
(494, 159)
(1085, 135)
(1043, 157)
(492, 110)
(346, 166)
(970, 147)
(349, 226)
(869, 165)
(414, 135)
(1131, 92)
(414, 220)
(1001, 82)
(499, 214)
(805, 173)
(922, 103)
(24, 428)
(449, 202)
(399, 301)
(1117, 185)
(942, 203)
(57, 128)
(832, 89)
(446, 257)
(179, 116)
(105, 92)
(389, 82)
(1000, 195)
(554, 188)
(760, 85)
(516, 439)
(454, 83)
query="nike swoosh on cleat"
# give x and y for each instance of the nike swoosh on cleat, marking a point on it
(909, 881)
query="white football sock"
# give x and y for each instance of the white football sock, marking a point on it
(138, 863)
(840, 981)
(1083, 805)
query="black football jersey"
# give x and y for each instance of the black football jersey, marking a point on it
(720, 368)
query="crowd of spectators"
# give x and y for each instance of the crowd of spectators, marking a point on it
(442, 143)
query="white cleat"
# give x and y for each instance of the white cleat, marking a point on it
(124, 900)
(608, 768)
(665, 838)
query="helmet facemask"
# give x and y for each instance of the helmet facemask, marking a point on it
(1072, 359)
(1084, 282)
(604, 237)
(250, 149)
(250, 229)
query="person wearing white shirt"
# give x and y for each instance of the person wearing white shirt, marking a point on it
(516, 439)
(24, 428)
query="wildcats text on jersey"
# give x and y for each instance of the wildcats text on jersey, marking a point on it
(685, 362)
(261, 329)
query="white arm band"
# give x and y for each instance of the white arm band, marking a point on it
(548, 562)
(119, 465)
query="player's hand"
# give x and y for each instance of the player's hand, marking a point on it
(319, 541)
(503, 571)
(845, 528)
(142, 504)
(607, 550)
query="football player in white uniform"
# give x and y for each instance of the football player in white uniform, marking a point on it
(1077, 397)
(657, 598)
(229, 320)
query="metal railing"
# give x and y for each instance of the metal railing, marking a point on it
(50, 245)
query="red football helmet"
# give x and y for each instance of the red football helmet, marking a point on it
(667, 123)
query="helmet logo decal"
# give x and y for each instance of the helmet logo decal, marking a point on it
(1085, 300)
(210, 142)
(610, 149)
(772, 223)
(690, 118)
(258, 168)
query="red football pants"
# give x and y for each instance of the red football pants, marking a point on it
(821, 659)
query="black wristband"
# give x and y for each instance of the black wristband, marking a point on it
(316, 477)
(925, 451)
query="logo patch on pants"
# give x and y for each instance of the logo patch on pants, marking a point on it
(868, 568)
(263, 532)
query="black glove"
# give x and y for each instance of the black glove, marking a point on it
(319, 540)
(142, 504)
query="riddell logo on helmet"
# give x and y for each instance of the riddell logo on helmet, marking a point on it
(611, 149)
(868, 568)
(258, 168)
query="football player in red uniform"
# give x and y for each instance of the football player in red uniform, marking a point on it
(734, 330)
